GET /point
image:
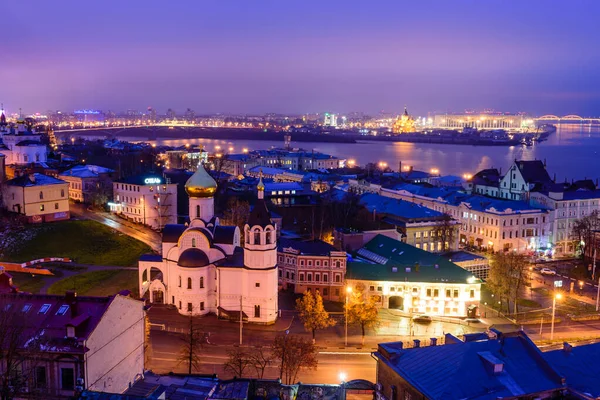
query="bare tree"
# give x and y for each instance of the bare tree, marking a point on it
(236, 213)
(294, 353)
(20, 351)
(583, 231)
(445, 231)
(508, 275)
(260, 359)
(191, 347)
(238, 362)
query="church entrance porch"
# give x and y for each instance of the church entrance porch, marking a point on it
(158, 297)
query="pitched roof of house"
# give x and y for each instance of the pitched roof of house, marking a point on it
(386, 259)
(35, 179)
(534, 171)
(86, 171)
(46, 318)
(579, 365)
(465, 370)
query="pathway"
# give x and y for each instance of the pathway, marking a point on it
(89, 268)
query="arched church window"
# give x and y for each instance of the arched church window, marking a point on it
(41, 195)
(257, 311)
(193, 242)
(257, 237)
(197, 211)
(201, 282)
(189, 283)
(268, 236)
(179, 280)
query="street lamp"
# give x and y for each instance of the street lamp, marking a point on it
(557, 296)
(342, 376)
(348, 291)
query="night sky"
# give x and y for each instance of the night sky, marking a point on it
(256, 56)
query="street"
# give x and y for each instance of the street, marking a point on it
(136, 231)
(166, 346)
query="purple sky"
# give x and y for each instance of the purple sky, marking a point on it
(290, 56)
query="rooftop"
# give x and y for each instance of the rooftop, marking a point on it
(310, 247)
(398, 208)
(507, 367)
(386, 259)
(87, 171)
(579, 365)
(47, 317)
(35, 179)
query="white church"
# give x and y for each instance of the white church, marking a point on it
(205, 269)
(21, 144)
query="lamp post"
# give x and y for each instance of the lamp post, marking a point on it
(557, 296)
(287, 331)
(348, 291)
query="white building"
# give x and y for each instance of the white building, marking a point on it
(204, 268)
(485, 222)
(146, 199)
(411, 280)
(481, 121)
(87, 182)
(564, 208)
(38, 197)
(330, 120)
(21, 145)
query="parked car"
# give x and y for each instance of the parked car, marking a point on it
(422, 319)
(547, 271)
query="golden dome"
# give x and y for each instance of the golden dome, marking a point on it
(201, 184)
(261, 185)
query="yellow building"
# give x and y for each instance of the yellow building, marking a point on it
(404, 123)
(38, 197)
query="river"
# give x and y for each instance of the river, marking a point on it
(572, 152)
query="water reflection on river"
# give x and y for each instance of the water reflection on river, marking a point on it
(571, 152)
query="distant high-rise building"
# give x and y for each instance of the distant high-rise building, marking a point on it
(190, 114)
(171, 114)
(151, 114)
(330, 119)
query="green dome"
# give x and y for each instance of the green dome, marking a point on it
(201, 184)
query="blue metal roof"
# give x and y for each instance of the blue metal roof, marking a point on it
(580, 365)
(399, 208)
(466, 370)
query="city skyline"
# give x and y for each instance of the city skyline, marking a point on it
(301, 57)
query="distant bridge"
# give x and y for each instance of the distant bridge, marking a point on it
(568, 119)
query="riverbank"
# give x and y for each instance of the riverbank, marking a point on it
(156, 133)
(153, 133)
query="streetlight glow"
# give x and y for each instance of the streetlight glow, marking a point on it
(342, 377)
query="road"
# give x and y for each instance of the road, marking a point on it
(354, 364)
(136, 231)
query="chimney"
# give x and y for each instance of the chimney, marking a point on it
(71, 300)
(400, 166)
(567, 347)
(433, 341)
(417, 343)
(400, 345)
